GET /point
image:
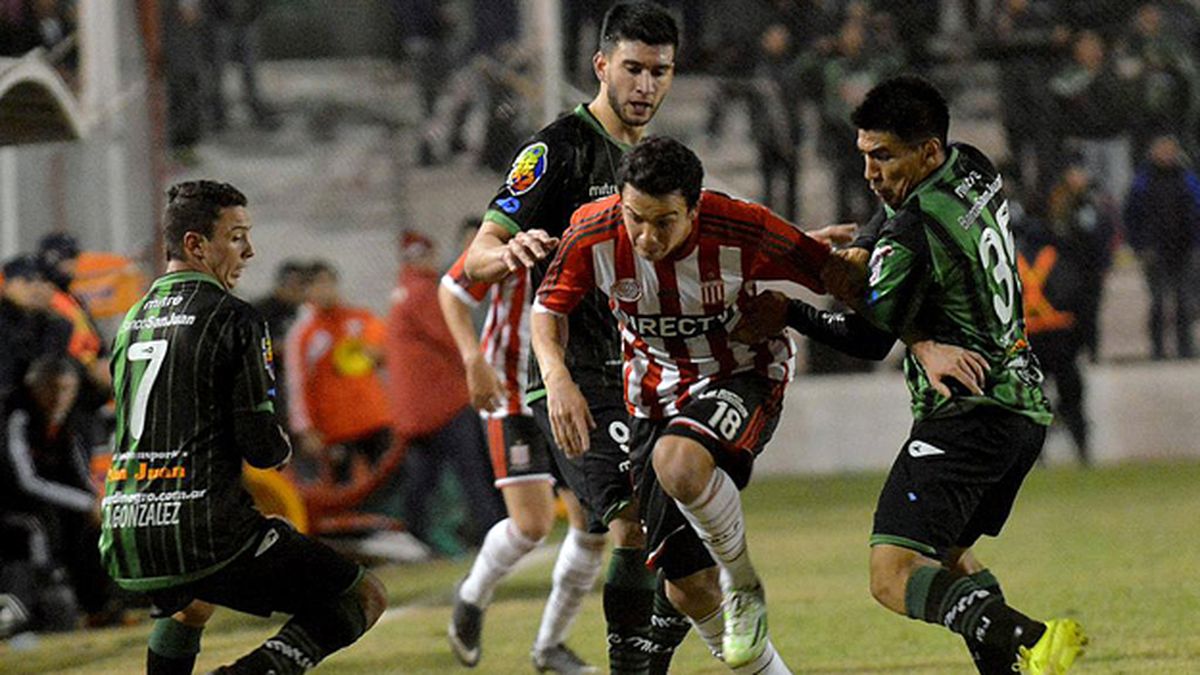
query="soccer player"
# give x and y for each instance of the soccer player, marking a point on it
(570, 162)
(496, 374)
(943, 267)
(193, 384)
(675, 263)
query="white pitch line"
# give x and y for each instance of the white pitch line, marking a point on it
(539, 555)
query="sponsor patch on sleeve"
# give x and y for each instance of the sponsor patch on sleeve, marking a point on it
(527, 169)
(876, 265)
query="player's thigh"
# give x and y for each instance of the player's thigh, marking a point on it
(939, 481)
(1025, 439)
(733, 420)
(282, 571)
(530, 505)
(600, 478)
(672, 545)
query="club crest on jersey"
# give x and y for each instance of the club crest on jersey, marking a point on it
(626, 290)
(876, 264)
(712, 292)
(527, 169)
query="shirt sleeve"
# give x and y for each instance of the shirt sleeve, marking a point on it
(899, 273)
(374, 329)
(785, 252)
(569, 277)
(254, 362)
(528, 197)
(457, 282)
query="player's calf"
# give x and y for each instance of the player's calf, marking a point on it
(310, 636)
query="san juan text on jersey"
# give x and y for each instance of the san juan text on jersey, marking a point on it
(945, 265)
(675, 314)
(568, 163)
(187, 357)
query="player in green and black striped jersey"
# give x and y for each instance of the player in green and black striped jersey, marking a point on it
(942, 269)
(194, 386)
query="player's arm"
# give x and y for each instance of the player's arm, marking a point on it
(260, 439)
(768, 313)
(846, 279)
(899, 274)
(497, 251)
(783, 251)
(569, 278)
(512, 237)
(456, 297)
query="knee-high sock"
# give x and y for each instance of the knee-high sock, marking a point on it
(768, 663)
(961, 604)
(668, 628)
(716, 515)
(503, 546)
(989, 661)
(575, 572)
(628, 597)
(173, 648)
(711, 629)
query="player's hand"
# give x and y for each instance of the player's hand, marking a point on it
(845, 274)
(483, 384)
(570, 420)
(835, 235)
(763, 315)
(526, 248)
(943, 361)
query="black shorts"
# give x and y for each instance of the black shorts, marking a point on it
(281, 571)
(733, 420)
(956, 479)
(518, 449)
(600, 478)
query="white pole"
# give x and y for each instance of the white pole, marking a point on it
(549, 22)
(9, 246)
(98, 56)
(118, 198)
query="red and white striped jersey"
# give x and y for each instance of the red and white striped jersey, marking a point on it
(505, 338)
(675, 314)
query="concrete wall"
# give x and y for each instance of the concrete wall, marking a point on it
(858, 422)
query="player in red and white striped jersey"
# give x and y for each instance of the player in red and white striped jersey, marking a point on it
(676, 263)
(497, 369)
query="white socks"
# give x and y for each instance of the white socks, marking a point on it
(716, 515)
(712, 628)
(769, 663)
(575, 572)
(503, 546)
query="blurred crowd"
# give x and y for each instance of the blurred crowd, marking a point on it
(390, 467)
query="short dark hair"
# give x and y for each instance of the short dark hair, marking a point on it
(906, 105)
(646, 22)
(48, 367)
(660, 165)
(195, 206)
(321, 266)
(291, 267)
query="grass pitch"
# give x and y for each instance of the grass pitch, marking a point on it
(1116, 548)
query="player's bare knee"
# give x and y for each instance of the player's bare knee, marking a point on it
(534, 524)
(683, 467)
(196, 614)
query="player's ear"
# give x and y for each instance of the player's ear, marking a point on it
(599, 64)
(193, 244)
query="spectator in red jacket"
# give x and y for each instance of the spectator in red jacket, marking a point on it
(430, 404)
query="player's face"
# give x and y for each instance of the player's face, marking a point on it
(892, 167)
(657, 224)
(225, 255)
(636, 78)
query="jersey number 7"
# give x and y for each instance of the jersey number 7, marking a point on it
(154, 351)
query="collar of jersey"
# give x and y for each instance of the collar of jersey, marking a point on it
(586, 115)
(186, 275)
(931, 179)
